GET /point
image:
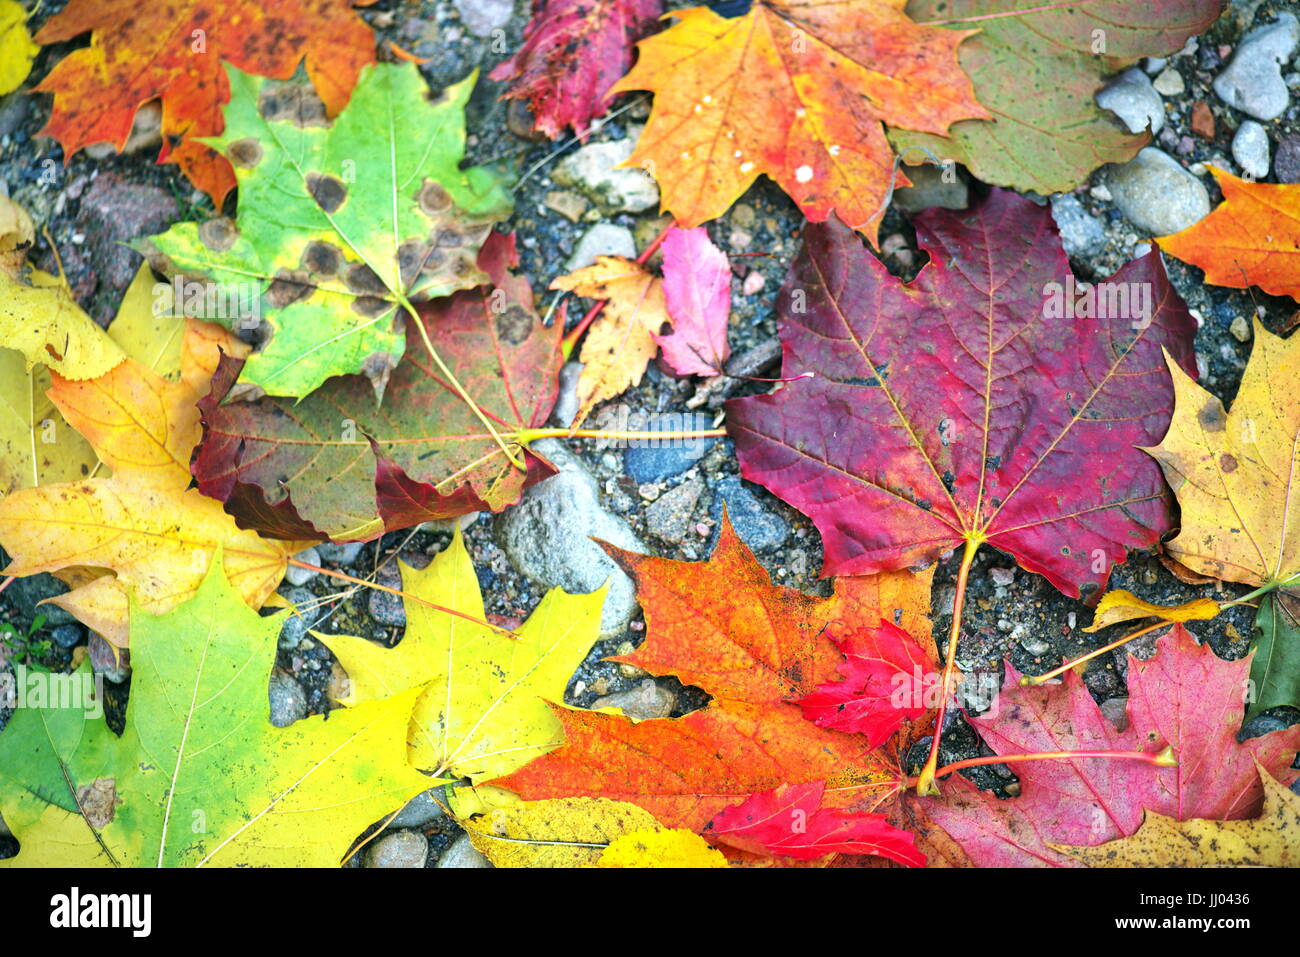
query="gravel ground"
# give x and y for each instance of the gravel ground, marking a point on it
(99, 200)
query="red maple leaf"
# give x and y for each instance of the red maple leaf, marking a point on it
(887, 678)
(975, 404)
(1185, 698)
(573, 52)
(790, 821)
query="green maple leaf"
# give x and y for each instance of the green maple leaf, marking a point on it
(200, 776)
(341, 225)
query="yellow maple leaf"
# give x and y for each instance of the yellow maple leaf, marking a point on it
(1233, 472)
(620, 342)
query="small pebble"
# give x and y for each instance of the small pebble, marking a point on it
(288, 700)
(463, 854)
(1253, 82)
(1132, 98)
(1250, 149)
(1156, 194)
(398, 849)
(301, 576)
(1169, 82)
(1240, 329)
(752, 284)
(1286, 161)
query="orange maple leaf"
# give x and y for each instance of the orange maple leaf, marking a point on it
(1251, 239)
(173, 49)
(752, 645)
(798, 90)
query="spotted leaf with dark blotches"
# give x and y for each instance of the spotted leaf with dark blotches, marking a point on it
(341, 225)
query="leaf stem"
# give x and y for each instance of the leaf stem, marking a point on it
(1028, 681)
(571, 339)
(1165, 759)
(925, 783)
(344, 576)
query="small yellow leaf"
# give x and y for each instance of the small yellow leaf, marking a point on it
(620, 342)
(17, 51)
(1120, 605)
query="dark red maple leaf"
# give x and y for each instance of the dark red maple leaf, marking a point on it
(573, 52)
(1185, 698)
(886, 679)
(972, 405)
(790, 821)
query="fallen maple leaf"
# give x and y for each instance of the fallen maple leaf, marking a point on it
(143, 523)
(572, 52)
(173, 51)
(482, 714)
(584, 832)
(797, 90)
(1264, 841)
(887, 678)
(201, 777)
(1184, 697)
(1233, 475)
(338, 464)
(1252, 238)
(697, 293)
(621, 341)
(753, 646)
(309, 261)
(790, 821)
(962, 408)
(1036, 67)
(17, 51)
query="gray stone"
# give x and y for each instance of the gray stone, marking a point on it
(653, 460)
(1250, 149)
(301, 576)
(1169, 83)
(344, 554)
(647, 700)
(1082, 234)
(385, 607)
(1132, 98)
(566, 398)
(669, 517)
(591, 171)
(547, 537)
(1156, 194)
(306, 612)
(398, 849)
(67, 636)
(481, 17)
(603, 239)
(569, 205)
(421, 810)
(1286, 162)
(463, 854)
(1116, 711)
(113, 664)
(1240, 329)
(288, 700)
(1252, 82)
(757, 527)
(932, 185)
(1266, 722)
(28, 592)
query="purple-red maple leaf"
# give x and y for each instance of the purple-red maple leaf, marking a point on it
(992, 399)
(573, 52)
(1185, 698)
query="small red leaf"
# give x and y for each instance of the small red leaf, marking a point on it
(887, 678)
(790, 821)
(697, 288)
